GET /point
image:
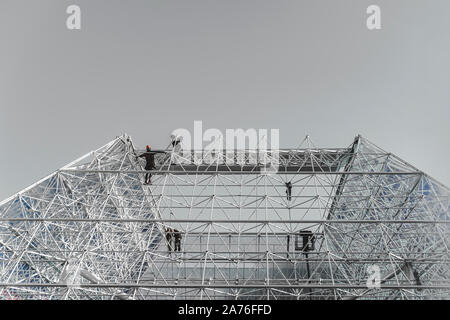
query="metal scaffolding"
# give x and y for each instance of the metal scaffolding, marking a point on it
(92, 230)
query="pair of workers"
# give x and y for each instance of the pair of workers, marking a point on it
(173, 237)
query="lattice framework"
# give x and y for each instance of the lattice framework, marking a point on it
(92, 230)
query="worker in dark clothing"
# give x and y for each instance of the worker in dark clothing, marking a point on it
(175, 141)
(169, 238)
(149, 156)
(175, 147)
(177, 236)
(288, 190)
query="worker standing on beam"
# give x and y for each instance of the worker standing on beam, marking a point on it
(177, 236)
(288, 190)
(175, 144)
(169, 238)
(149, 156)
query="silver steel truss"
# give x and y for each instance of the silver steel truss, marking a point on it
(92, 230)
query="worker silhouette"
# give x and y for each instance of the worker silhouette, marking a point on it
(288, 190)
(175, 146)
(169, 238)
(175, 142)
(177, 237)
(149, 156)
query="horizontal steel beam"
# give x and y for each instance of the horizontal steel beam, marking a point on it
(224, 286)
(225, 172)
(222, 221)
(263, 258)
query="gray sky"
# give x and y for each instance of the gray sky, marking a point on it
(148, 67)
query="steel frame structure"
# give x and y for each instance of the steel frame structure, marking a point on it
(92, 230)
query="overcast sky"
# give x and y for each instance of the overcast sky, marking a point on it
(148, 67)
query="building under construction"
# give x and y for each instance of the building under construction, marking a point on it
(328, 223)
